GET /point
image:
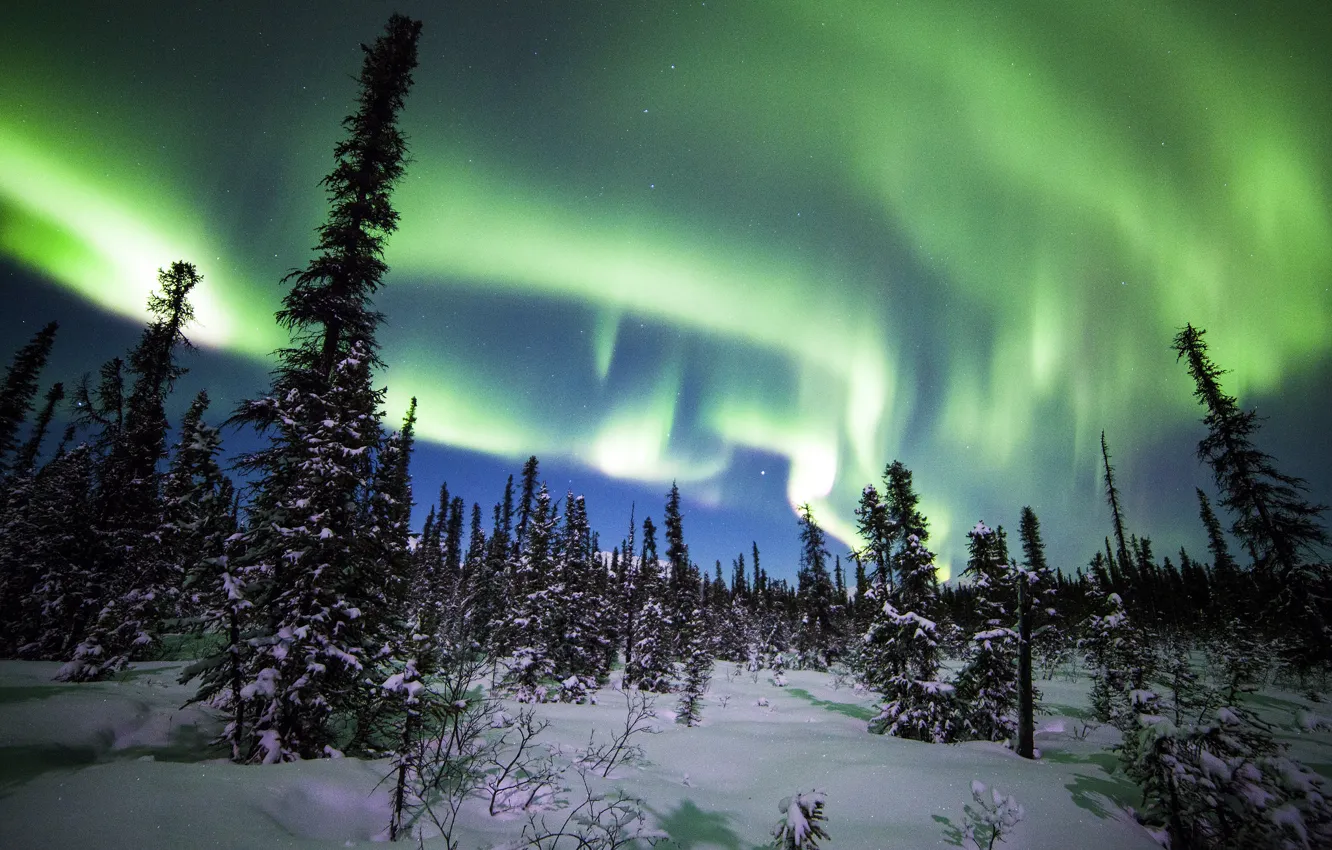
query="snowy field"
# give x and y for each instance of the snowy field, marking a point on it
(122, 765)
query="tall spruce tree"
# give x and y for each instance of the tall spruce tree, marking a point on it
(1280, 528)
(1276, 524)
(875, 528)
(650, 666)
(682, 590)
(1112, 497)
(900, 653)
(628, 590)
(387, 590)
(1036, 588)
(310, 548)
(198, 514)
(531, 627)
(1232, 584)
(814, 636)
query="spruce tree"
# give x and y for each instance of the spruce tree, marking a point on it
(526, 500)
(650, 666)
(987, 686)
(1036, 588)
(903, 505)
(19, 389)
(26, 459)
(628, 591)
(531, 627)
(20, 566)
(138, 580)
(697, 675)
(682, 590)
(198, 515)
(50, 584)
(1280, 528)
(1112, 497)
(317, 571)
(489, 593)
(1233, 586)
(814, 636)
(578, 642)
(760, 577)
(902, 655)
(429, 589)
(876, 529)
(453, 535)
(391, 621)
(200, 521)
(310, 548)
(900, 650)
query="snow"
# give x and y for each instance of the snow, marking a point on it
(72, 773)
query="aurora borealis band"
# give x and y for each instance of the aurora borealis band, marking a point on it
(651, 241)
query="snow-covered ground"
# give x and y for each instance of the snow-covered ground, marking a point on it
(122, 764)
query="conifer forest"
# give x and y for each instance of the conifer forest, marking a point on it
(274, 616)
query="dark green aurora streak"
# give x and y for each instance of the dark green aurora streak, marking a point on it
(654, 238)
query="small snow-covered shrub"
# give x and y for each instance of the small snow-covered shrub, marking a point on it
(1308, 721)
(992, 819)
(801, 825)
(600, 821)
(842, 676)
(578, 689)
(920, 711)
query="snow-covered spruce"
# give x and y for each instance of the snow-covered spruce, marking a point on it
(801, 824)
(697, 675)
(529, 628)
(987, 684)
(1225, 783)
(902, 657)
(305, 548)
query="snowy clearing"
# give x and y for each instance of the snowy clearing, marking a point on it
(122, 764)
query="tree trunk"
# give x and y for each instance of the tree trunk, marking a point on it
(1026, 719)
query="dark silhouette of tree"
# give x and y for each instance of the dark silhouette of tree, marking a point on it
(26, 459)
(313, 550)
(1112, 496)
(1278, 527)
(20, 388)
(138, 582)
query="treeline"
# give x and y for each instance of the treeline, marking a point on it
(323, 620)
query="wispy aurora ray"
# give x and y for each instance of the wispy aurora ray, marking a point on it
(840, 233)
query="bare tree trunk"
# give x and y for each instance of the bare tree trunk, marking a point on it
(1026, 719)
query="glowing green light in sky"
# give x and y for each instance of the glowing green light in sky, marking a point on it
(959, 236)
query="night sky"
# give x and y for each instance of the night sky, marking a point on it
(758, 248)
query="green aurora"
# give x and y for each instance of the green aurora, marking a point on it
(960, 234)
